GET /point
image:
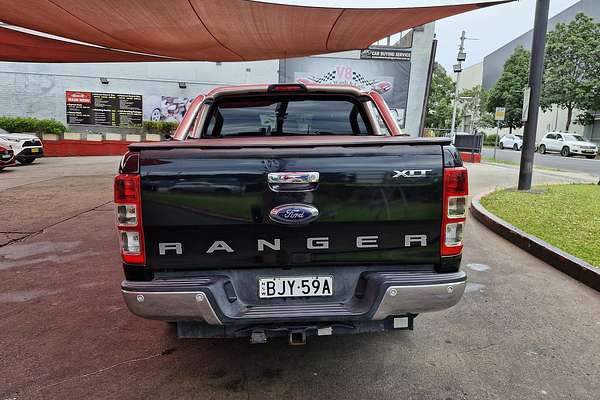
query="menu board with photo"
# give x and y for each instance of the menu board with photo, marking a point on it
(108, 109)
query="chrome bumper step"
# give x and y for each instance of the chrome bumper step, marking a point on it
(202, 299)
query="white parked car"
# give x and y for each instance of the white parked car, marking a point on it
(25, 146)
(511, 141)
(567, 144)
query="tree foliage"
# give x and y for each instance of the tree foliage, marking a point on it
(474, 103)
(572, 68)
(508, 91)
(439, 105)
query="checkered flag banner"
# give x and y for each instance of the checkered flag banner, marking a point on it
(327, 78)
(330, 77)
(361, 80)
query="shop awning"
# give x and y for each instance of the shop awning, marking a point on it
(204, 30)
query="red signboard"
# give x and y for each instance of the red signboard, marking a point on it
(79, 97)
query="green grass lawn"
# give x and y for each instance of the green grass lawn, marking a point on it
(566, 216)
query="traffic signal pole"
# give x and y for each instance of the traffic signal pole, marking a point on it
(536, 71)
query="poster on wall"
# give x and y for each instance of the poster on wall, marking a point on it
(165, 108)
(107, 109)
(389, 78)
(377, 53)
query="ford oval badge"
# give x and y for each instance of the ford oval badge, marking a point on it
(294, 214)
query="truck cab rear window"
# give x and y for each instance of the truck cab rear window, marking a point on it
(286, 117)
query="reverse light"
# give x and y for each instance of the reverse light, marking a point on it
(457, 207)
(454, 234)
(126, 214)
(456, 190)
(130, 242)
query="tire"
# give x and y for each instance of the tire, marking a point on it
(501, 145)
(590, 157)
(565, 152)
(155, 115)
(542, 149)
(515, 147)
(25, 161)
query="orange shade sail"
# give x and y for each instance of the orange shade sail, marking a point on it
(202, 30)
(25, 47)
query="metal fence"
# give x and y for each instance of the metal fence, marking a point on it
(469, 143)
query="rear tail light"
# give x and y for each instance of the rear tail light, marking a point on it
(129, 218)
(456, 190)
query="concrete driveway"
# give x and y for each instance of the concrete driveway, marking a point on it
(522, 331)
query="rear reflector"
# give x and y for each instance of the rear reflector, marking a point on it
(456, 180)
(456, 190)
(126, 188)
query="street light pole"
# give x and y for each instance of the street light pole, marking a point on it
(536, 71)
(460, 58)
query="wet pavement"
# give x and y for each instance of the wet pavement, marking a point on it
(522, 330)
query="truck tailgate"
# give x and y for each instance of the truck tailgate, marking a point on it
(209, 207)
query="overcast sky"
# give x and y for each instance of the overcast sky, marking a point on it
(493, 26)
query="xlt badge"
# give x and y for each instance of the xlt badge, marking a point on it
(294, 214)
(411, 173)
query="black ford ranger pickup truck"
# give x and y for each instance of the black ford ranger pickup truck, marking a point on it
(290, 210)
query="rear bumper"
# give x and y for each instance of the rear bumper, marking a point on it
(386, 294)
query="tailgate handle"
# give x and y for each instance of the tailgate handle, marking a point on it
(293, 181)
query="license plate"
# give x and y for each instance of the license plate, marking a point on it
(35, 150)
(296, 286)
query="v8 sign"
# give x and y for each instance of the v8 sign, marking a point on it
(388, 77)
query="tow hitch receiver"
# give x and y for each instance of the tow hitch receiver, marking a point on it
(297, 338)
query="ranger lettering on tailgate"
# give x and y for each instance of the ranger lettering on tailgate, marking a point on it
(362, 242)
